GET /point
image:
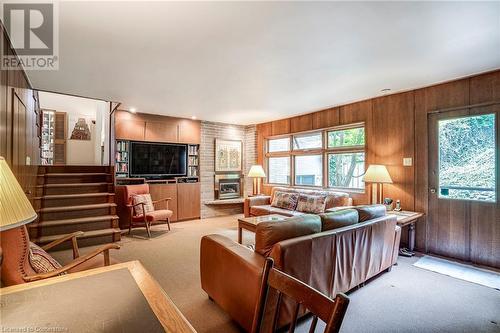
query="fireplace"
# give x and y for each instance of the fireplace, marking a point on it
(228, 186)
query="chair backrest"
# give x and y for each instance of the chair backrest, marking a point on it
(330, 311)
(131, 190)
(15, 264)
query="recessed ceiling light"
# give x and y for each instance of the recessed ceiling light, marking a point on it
(133, 110)
(385, 90)
(193, 117)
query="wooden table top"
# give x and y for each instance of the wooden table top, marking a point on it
(405, 216)
(171, 319)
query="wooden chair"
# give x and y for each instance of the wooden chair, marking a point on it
(145, 220)
(330, 311)
(17, 266)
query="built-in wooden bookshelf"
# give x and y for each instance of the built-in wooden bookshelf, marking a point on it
(193, 161)
(122, 158)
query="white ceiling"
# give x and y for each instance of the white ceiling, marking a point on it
(250, 62)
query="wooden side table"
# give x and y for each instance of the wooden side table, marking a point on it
(250, 223)
(408, 218)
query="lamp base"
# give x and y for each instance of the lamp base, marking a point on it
(256, 187)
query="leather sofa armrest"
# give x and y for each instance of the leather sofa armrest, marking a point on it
(397, 239)
(231, 274)
(259, 200)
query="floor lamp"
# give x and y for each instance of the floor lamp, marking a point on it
(378, 175)
(15, 208)
(257, 173)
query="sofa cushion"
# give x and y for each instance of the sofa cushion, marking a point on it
(285, 200)
(333, 199)
(269, 233)
(370, 212)
(338, 219)
(314, 204)
(267, 209)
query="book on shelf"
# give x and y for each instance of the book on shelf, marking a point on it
(121, 145)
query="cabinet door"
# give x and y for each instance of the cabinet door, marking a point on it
(189, 131)
(161, 132)
(188, 201)
(162, 191)
(128, 129)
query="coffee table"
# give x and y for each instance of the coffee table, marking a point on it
(250, 223)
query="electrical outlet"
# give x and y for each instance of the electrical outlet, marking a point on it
(407, 161)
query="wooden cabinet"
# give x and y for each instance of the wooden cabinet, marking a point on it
(161, 191)
(189, 131)
(188, 201)
(156, 128)
(129, 129)
(161, 132)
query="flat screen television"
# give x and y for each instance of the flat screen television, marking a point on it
(157, 160)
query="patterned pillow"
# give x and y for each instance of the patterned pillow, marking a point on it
(148, 203)
(41, 261)
(285, 200)
(314, 204)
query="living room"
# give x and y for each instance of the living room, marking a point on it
(179, 166)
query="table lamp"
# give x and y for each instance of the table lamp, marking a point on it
(15, 208)
(378, 175)
(256, 172)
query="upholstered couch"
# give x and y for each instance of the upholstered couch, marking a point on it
(332, 252)
(261, 205)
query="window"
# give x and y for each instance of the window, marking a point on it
(309, 170)
(307, 141)
(346, 138)
(346, 170)
(467, 158)
(276, 145)
(330, 157)
(279, 170)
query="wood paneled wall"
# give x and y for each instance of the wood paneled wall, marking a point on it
(396, 127)
(19, 122)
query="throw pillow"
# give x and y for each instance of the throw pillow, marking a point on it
(148, 203)
(314, 204)
(285, 200)
(41, 261)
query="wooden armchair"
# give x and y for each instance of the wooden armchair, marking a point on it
(145, 220)
(19, 264)
(331, 311)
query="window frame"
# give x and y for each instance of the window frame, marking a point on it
(323, 150)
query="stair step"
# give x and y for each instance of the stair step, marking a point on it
(75, 208)
(73, 188)
(64, 200)
(88, 238)
(81, 220)
(74, 174)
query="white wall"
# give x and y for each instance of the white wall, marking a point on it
(82, 152)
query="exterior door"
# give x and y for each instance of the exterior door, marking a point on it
(463, 216)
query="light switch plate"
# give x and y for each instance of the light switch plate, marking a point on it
(407, 161)
(28, 160)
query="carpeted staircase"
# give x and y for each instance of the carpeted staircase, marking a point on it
(75, 198)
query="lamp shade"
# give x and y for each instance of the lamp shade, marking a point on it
(257, 171)
(377, 173)
(15, 208)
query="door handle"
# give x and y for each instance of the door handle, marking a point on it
(433, 190)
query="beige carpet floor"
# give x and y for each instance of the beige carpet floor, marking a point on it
(408, 299)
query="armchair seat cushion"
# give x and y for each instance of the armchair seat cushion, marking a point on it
(156, 215)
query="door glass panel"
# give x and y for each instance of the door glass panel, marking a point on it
(467, 158)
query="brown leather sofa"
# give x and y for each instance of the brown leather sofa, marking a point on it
(332, 252)
(261, 205)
